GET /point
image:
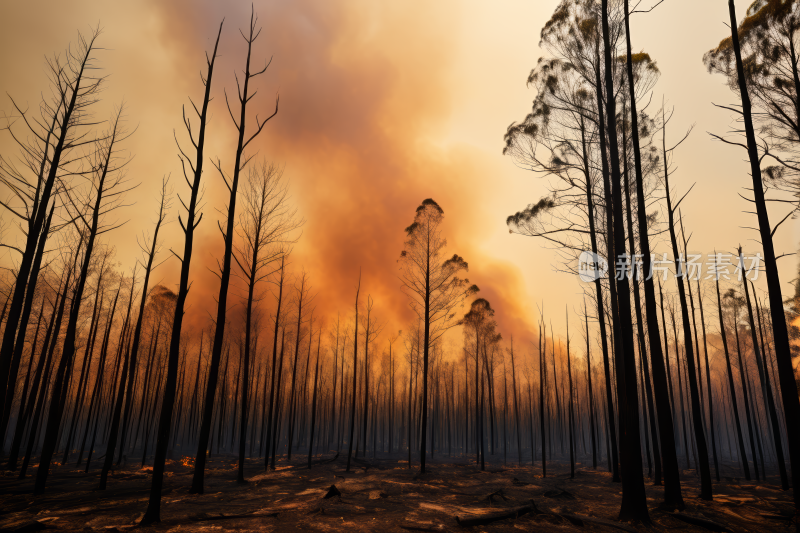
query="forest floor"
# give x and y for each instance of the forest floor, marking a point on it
(377, 495)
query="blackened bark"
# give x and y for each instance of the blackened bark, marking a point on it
(731, 386)
(791, 402)
(634, 500)
(355, 374)
(153, 512)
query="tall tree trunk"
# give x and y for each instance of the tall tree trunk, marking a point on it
(26, 276)
(673, 498)
(50, 351)
(647, 403)
(697, 410)
(295, 370)
(153, 512)
(571, 410)
(708, 382)
(355, 375)
(314, 400)
(68, 351)
(589, 383)
(16, 356)
(601, 124)
(634, 500)
(274, 362)
(225, 274)
(542, 395)
(791, 402)
(731, 386)
(745, 395)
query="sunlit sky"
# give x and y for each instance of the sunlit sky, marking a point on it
(382, 104)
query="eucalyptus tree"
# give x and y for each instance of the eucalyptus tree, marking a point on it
(479, 323)
(434, 290)
(634, 500)
(727, 59)
(563, 137)
(672, 488)
(767, 38)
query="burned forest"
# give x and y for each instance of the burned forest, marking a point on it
(286, 266)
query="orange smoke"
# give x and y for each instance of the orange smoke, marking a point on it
(358, 97)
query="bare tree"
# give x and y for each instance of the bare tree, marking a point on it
(355, 377)
(783, 353)
(63, 125)
(153, 512)
(126, 386)
(372, 328)
(266, 232)
(102, 196)
(225, 268)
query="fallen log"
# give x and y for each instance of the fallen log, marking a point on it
(559, 494)
(482, 520)
(420, 528)
(702, 522)
(202, 517)
(788, 518)
(579, 520)
(24, 526)
(318, 462)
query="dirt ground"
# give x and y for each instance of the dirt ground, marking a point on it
(381, 495)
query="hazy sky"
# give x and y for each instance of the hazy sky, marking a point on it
(383, 104)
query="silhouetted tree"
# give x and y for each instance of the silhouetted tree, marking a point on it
(783, 354)
(104, 194)
(153, 512)
(63, 125)
(129, 368)
(225, 268)
(430, 282)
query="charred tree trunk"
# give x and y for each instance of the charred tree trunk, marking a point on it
(601, 124)
(314, 401)
(153, 512)
(731, 386)
(274, 362)
(72, 105)
(68, 351)
(791, 402)
(225, 274)
(355, 374)
(634, 501)
(16, 357)
(697, 411)
(708, 382)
